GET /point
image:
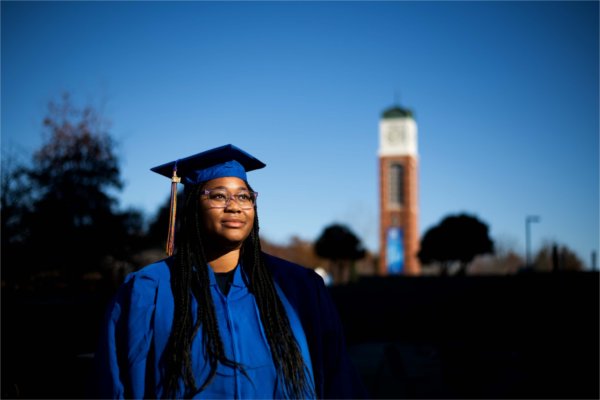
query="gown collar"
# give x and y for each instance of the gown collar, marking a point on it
(240, 277)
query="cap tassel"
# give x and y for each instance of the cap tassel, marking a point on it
(172, 212)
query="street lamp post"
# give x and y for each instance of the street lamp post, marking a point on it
(528, 220)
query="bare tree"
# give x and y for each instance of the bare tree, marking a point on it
(73, 223)
(554, 257)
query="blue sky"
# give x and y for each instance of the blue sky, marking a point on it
(505, 95)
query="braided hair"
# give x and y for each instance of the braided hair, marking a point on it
(189, 277)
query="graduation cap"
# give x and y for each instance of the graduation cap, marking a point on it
(220, 162)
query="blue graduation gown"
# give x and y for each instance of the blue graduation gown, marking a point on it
(139, 320)
(334, 374)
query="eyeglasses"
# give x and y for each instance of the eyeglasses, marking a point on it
(219, 198)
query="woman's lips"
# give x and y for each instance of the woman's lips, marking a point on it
(232, 223)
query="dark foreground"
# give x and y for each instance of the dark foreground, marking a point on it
(523, 336)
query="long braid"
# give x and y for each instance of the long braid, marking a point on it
(285, 351)
(187, 281)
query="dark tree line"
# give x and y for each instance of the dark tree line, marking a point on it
(458, 239)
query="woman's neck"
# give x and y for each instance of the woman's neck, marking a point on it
(225, 262)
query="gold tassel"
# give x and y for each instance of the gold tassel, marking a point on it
(172, 213)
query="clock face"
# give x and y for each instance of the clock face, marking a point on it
(395, 135)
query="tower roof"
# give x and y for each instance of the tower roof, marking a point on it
(397, 112)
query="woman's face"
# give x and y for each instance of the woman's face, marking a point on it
(230, 225)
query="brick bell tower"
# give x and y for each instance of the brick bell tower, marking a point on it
(398, 193)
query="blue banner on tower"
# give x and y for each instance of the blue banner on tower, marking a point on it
(395, 250)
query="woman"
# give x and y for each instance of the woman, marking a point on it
(220, 318)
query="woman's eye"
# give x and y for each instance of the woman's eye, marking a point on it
(243, 197)
(218, 196)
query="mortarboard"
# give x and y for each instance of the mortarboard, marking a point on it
(220, 162)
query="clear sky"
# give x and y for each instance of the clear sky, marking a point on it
(505, 95)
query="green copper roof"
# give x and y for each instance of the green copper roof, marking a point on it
(397, 112)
